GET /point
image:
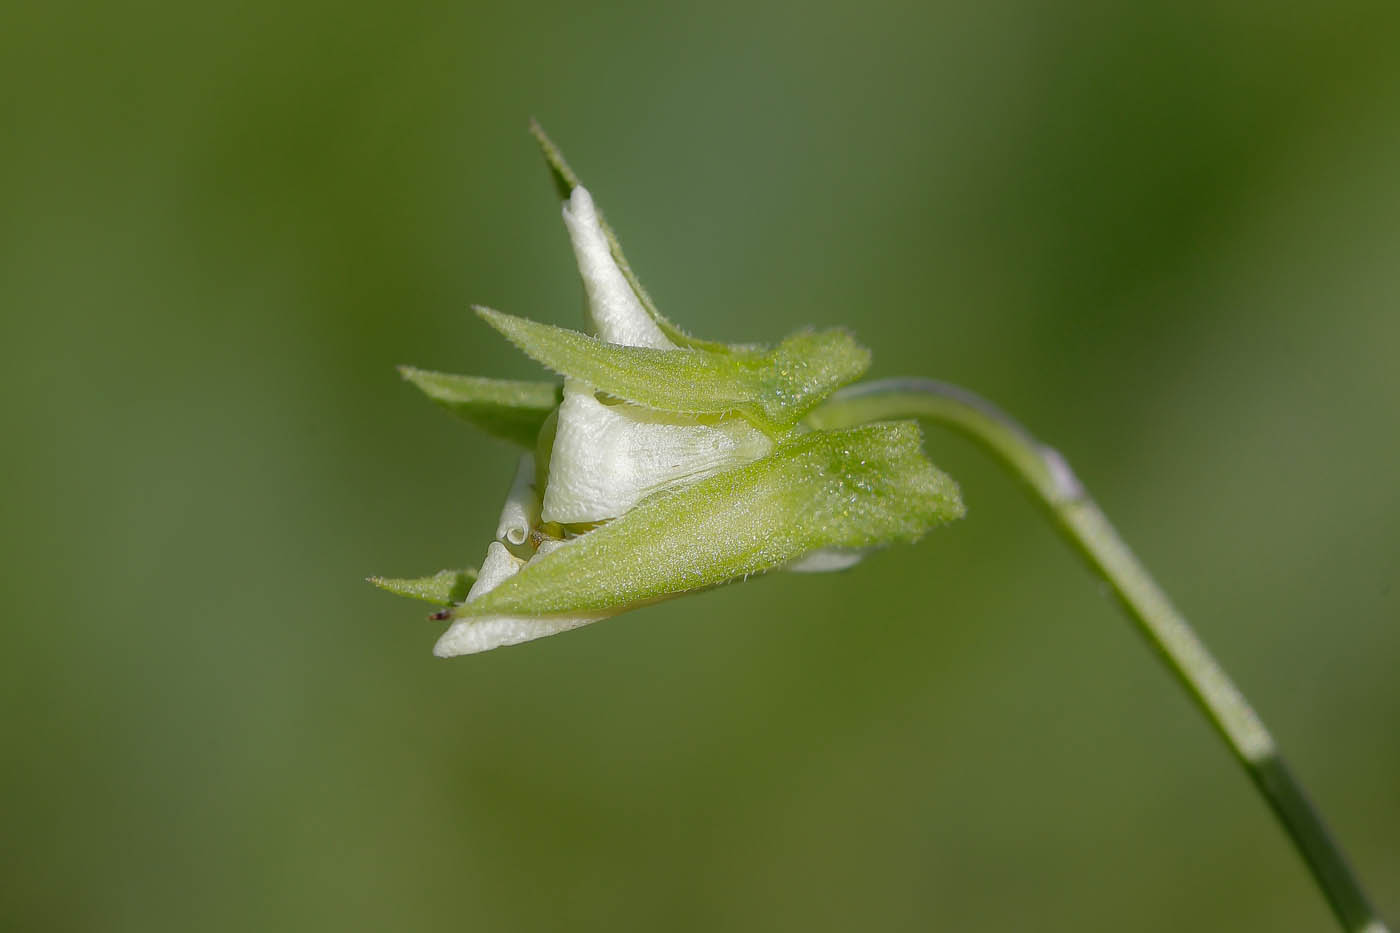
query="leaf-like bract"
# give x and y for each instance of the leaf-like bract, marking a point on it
(856, 488)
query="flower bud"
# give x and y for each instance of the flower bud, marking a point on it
(669, 465)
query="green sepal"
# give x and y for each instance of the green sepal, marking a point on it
(772, 389)
(855, 488)
(565, 181)
(444, 588)
(509, 409)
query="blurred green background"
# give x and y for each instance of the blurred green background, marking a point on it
(1167, 236)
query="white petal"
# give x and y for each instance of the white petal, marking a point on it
(606, 458)
(522, 506)
(469, 636)
(617, 314)
(472, 636)
(827, 560)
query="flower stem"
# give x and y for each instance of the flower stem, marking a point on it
(1090, 533)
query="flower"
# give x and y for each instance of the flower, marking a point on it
(665, 464)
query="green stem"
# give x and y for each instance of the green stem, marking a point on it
(1089, 532)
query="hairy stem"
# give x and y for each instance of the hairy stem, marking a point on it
(1090, 533)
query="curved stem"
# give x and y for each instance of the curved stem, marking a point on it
(1090, 533)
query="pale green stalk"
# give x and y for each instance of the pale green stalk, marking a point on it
(1090, 533)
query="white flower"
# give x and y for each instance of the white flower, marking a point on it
(606, 455)
(664, 464)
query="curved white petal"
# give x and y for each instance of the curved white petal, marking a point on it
(477, 635)
(522, 506)
(606, 458)
(616, 312)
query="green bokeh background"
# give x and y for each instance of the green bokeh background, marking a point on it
(1167, 236)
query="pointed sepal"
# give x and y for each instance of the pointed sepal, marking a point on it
(772, 389)
(510, 409)
(851, 489)
(444, 588)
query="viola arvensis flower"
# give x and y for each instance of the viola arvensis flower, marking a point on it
(665, 464)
